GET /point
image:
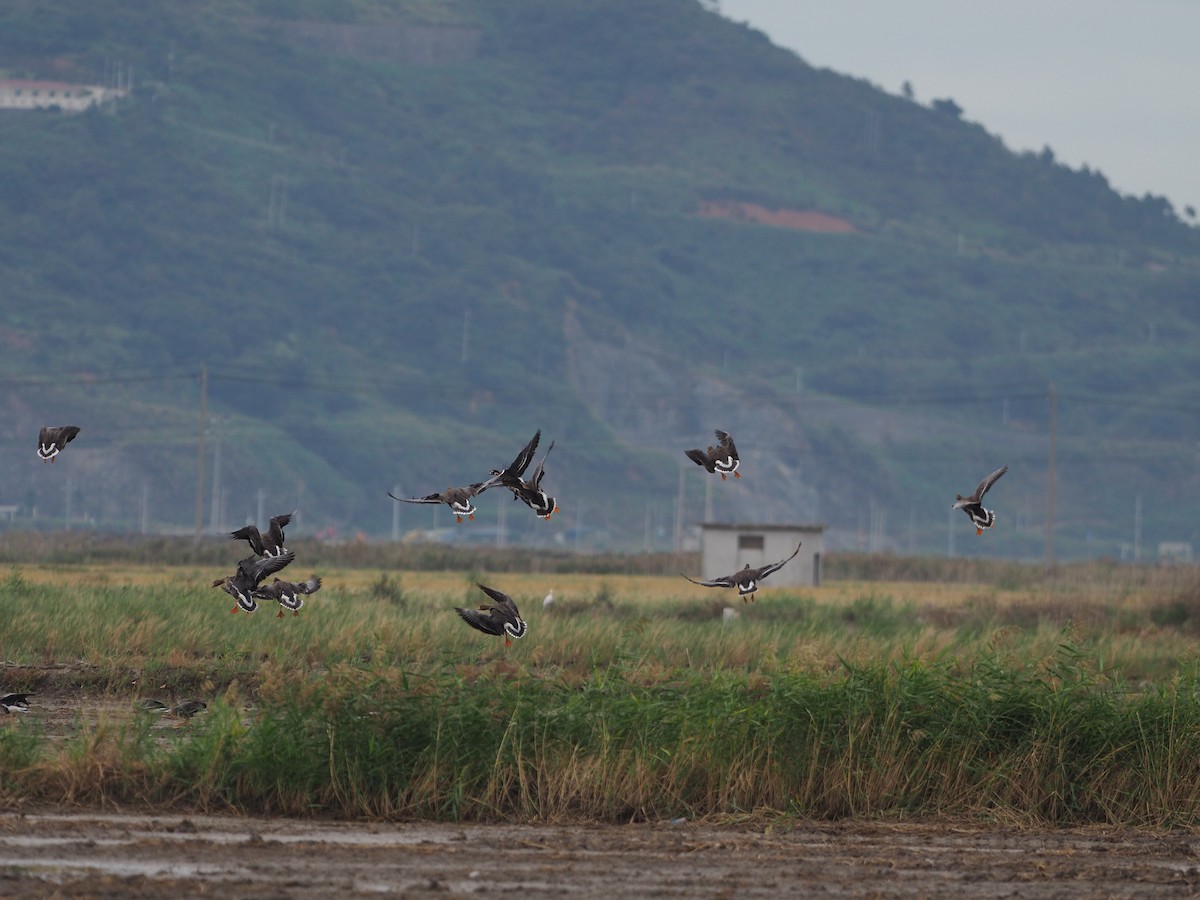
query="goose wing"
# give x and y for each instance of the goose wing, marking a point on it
(724, 581)
(700, 458)
(482, 620)
(536, 481)
(252, 535)
(431, 498)
(277, 525)
(775, 567)
(986, 484)
(517, 467)
(725, 443)
(255, 570)
(505, 602)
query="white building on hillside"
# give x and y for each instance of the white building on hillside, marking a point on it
(17, 93)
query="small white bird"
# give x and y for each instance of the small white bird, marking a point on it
(548, 600)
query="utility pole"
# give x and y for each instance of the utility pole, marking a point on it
(200, 452)
(1137, 528)
(1050, 477)
(679, 513)
(215, 520)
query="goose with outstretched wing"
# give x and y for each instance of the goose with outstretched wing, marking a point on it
(746, 581)
(973, 505)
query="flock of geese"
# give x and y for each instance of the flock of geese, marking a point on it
(499, 618)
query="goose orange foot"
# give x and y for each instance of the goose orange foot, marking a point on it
(979, 531)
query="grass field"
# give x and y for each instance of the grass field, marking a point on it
(1024, 699)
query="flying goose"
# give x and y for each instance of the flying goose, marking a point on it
(250, 573)
(288, 594)
(973, 505)
(530, 492)
(722, 458)
(268, 544)
(51, 440)
(501, 619)
(746, 581)
(459, 499)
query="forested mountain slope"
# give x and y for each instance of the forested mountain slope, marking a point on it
(400, 237)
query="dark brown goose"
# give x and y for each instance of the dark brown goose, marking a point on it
(722, 458)
(973, 505)
(52, 439)
(250, 573)
(18, 703)
(459, 499)
(502, 618)
(269, 543)
(530, 492)
(184, 710)
(746, 581)
(288, 594)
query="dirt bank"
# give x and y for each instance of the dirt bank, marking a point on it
(169, 856)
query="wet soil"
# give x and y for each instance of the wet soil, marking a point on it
(169, 856)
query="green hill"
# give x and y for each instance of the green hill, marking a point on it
(402, 236)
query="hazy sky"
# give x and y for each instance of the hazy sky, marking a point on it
(1114, 84)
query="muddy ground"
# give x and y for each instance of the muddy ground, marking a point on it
(173, 856)
(52, 853)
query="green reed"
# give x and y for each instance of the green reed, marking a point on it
(620, 705)
(1029, 743)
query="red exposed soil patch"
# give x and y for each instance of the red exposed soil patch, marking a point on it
(799, 219)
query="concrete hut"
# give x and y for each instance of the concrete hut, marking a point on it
(727, 547)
